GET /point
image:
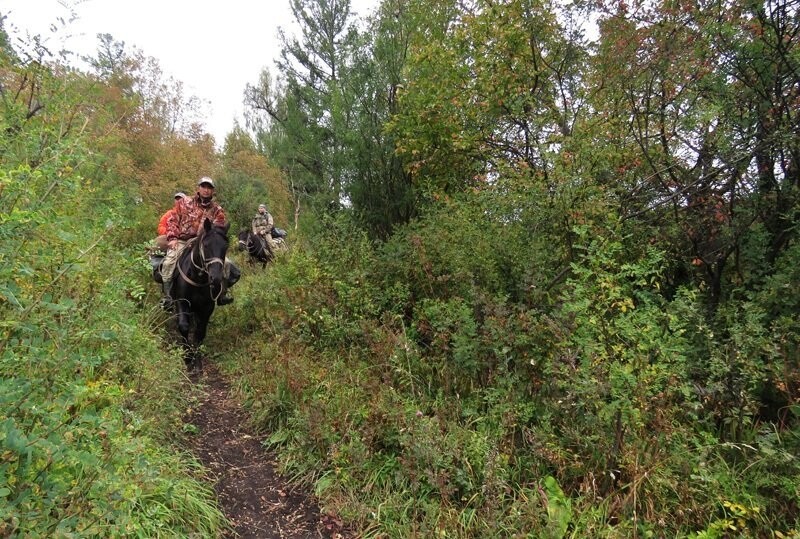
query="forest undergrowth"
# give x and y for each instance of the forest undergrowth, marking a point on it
(455, 409)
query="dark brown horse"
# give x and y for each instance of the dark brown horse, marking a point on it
(255, 247)
(196, 285)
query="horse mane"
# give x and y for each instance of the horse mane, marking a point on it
(221, 229)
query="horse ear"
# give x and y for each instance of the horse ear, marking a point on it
(207, 224)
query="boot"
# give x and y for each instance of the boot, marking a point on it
(234, 274)
(166, 300)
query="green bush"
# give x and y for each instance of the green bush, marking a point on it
(412, 409)
(89, 397)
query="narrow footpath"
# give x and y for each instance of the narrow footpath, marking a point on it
(259, 503)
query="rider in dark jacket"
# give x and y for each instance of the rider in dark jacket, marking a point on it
(262, 225)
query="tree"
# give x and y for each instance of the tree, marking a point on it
(488, 86)
(707, 93)
(377, 183)
(164, 142)
(251, 179)
(301, 106)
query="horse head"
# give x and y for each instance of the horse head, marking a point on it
(212, 244)
(243, 239)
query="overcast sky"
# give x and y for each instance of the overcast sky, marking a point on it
(214, 47)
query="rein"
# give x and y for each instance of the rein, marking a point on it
(253, 244)
(256, 247)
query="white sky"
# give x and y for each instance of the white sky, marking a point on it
(214, 47)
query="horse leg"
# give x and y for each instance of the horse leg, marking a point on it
(200, 329)
(184, 325)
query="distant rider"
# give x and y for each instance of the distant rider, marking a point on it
(262, 225)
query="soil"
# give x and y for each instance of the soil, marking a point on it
(257, 500)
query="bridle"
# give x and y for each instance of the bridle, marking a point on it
(205, 262)
(255, 247)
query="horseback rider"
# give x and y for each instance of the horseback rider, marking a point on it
(185, 223)
(262, 225)
(161, 240)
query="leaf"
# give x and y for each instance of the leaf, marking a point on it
(10, 295)
(15, 439)
(559, 507)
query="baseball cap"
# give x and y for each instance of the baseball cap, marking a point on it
(206, 179)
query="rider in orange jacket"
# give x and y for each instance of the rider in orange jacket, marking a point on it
(161, 240)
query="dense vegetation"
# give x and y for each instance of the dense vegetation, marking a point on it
(544, 282)
(558, 295)
(90, 397)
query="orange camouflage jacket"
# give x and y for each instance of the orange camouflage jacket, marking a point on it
(187, 218)
(162, 223)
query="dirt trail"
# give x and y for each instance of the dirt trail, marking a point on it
(255, 498)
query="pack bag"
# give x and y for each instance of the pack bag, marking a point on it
(155, 263)
(277, 233)
(234, 274)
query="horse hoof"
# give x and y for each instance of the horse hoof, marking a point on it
(195, 368)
